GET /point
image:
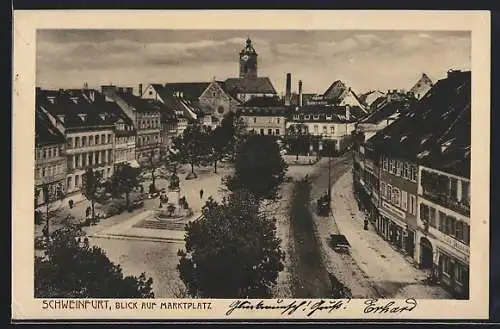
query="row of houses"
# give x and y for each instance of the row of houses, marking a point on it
(412, 177)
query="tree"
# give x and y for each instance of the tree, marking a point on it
(232, 251)
(235, 129)
(219, 141)
(298, 133)
(91, 181)
(124, 180)
(72, 269)
(259, 167)
(192, 146)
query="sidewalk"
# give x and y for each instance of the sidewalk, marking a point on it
(391, 273)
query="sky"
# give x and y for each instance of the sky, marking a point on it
(364, 60)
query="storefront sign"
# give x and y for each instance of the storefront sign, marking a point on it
(395, 210)
(453, 246)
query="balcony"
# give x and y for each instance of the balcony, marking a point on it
(447, 202)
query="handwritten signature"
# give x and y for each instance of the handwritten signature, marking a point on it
(288, 308)
(310, 307)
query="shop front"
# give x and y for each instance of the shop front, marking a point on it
(453, 268)
(395, 228)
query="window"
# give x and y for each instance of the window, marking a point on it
(77, 141)
(254, 120)
(277, 131)
(465, 192)
(404, 200)
(461, 274)
(269, 131)
(70, 142)
(97, 158)
(389, 192)
(450, 225)
(413, 204)
(447, 264)
(90, 159)
(84, 159)
(406, 170)
(44, 152)
(262, 131)
(332, 130)
(150, 92)
(432, 217)
(109, 172)
(382, 190)
(454, 189)
(413, 173)
(325, 131)
(396, 196)
(385, 164)
(77, 160)
(97, 139)
(91, 140)
(459, 230)
(110, 155)
(442, 222)
(400, 168)
(49, 153)
(69, 182)
(77, 181)
(466, 234)
(278, 121)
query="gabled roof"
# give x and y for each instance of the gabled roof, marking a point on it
(249, 85)
(421, 134)
(335, 91)
(421, 86)
(189, 90)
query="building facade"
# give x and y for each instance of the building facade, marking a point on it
(89, 146)
(264, 116)
(125, 136)
(398, 203)
(424, 181)
(444, 216)
(50, 161)
(330, 123)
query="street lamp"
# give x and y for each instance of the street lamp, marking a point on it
(330, 174)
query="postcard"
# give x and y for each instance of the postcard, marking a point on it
(243, 165)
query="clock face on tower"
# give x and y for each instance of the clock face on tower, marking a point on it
(245, 57)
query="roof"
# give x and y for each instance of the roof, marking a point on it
(386, 111)
(422, 85)
(190, 90)
(335, 91)
(248, 85)
(140, 104)
(337, 113)
(77, 110)
(45, 132)
(264, 101)
(434, 131)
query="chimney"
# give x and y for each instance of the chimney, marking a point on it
(347, 112)
(300, 93)
(140, 89)
(288, 90)
(92, 95)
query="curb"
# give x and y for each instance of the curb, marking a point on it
(135, 237)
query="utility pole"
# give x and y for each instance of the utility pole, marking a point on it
(329, 175)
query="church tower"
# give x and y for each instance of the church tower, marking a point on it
(248, 61)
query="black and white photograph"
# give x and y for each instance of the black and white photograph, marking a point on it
(252, 164)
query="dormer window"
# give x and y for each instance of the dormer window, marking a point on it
(328, 117)
(307, 117)
(315, 117)
(82, 116)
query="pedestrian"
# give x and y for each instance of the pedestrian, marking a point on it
(70, 203)
(201, 194)
(87, 211)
